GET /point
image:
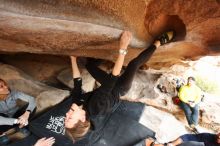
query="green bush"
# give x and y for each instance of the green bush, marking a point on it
(208, 85)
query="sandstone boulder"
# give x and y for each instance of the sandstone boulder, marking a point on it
(43, 68)
(166, 126)
(88, 83)
(92, 28)
(210, 109)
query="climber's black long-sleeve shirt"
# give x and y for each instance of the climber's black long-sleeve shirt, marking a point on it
(111, 118)
(97, 102)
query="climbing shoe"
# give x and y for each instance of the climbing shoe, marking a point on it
(166, 37)
(194, 129)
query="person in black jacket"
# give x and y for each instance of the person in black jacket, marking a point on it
(104, 99)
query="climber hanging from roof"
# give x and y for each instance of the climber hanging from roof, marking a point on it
(99, 117)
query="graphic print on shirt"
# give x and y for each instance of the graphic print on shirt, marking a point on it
(56, 124)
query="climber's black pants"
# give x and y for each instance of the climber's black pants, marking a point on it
(125, 80)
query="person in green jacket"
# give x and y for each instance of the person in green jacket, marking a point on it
(190, 97)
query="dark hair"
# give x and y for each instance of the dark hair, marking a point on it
(191, 78)
(79, 130)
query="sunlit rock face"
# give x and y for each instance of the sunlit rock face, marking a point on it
(92, 27)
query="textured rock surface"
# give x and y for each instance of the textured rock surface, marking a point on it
(43, 68)
(159, 121)
(92, 28)
(210, 109)
(66, 78)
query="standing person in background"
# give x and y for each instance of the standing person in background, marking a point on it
(190, 97)
(10, 113)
